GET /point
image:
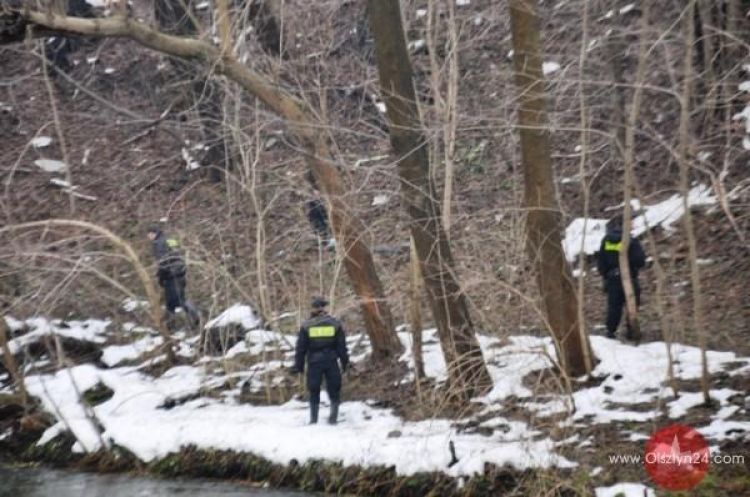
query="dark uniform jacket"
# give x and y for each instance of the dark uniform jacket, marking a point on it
(609, 253)
(170, 263)
(321, 339)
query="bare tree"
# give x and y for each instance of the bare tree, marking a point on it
(312, 139)
(684, 145)
(543, 222)
(466, 368)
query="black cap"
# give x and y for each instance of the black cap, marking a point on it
(318, 303)
(153, 228)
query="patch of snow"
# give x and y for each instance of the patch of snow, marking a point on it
(60, 182)
(745, 86)
(583, 232)
(115, 354)
(745, 114)
(202, 6)
(381, 107)
(421, 13)
(510, 54)
(478, 20)
(416, 45)
(109, 70)
(13, 324)
(41, 141)
(663, 214)
(550, 67)
(721, 429)
(625, 490)
(668, 212)
(51, 165)
(704, 156)
(130, 304)
(381, 199)
(132, 418)
(190, 163)
(687, 400)
(240, 314)
(627, 8)
(462, 3)
(92, 330)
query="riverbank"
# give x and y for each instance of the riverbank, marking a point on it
(238, 415)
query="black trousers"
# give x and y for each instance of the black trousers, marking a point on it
(316, 371)
(616, 303)
(174, 297)
(174, 293)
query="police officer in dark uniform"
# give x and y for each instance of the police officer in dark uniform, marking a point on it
(322, 341)
(171, 273)
(609, 267)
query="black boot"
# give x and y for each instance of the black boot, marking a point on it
(334, 416)
(314, 407)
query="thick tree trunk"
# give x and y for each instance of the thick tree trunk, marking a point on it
(543, 222)
(467, 371)
(313, 142)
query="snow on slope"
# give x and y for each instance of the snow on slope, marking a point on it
(369, 435)
(663, 214)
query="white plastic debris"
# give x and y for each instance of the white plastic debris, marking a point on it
(51, 165)
(41, 141)
(550, 67)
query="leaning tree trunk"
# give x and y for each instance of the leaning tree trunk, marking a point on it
(467, 371)
(302, 125)
(543, 222)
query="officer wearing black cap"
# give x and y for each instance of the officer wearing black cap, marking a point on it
(322, 341)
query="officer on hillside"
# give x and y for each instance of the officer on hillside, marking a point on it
(321, 339)
(609, 267)
(171, 273)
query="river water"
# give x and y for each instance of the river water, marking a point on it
(39, 482)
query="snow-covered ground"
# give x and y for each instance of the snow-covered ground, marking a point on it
(153, 417)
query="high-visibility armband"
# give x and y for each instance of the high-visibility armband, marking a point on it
(322, 331)
(612, 246)
(172, 243)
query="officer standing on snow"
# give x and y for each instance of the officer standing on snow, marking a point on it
(609, 267)
(171, 273)
(322, 341)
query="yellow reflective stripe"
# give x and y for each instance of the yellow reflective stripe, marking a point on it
(172, 243)
(612, 246)
(322, 331)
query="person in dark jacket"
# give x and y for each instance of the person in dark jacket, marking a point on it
(318, 217)
(171, 273)
(322, 341)
(608, 264)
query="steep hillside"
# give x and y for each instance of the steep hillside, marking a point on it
(132, 138)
